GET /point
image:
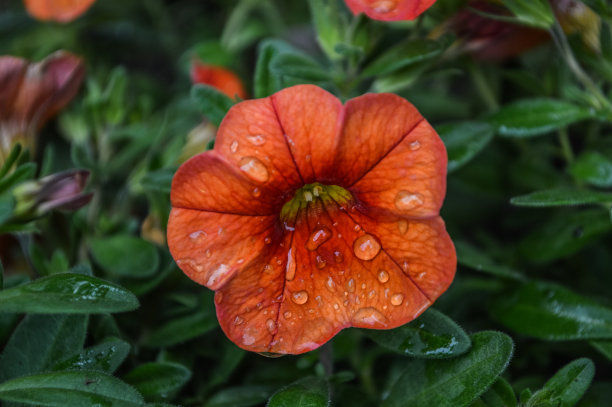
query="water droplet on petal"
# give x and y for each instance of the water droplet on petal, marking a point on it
(421, 275)
(356, 228)
(397, 299)
(218, 273)
(319, 235)
(336, 307)
(254, 169)
(300, 297)
(405, 266)
(287, 314)
(384, 6)
(238, 320)
(366, 247)
(267, 240)
(234, 146)
(405, 200)
(271, 325)
(402, 226)
(363, 286)
(350, 285)
(415, 145)
(371, 294)
(319, 300)
(248, 339)
(208, 253)
(321, 263)
(338, 257)
(369, 316)
(291, 266)
(198, 236)
(257, 139)
(383, 276)
(256, 192)
(330, 284)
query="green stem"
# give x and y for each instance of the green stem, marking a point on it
(566, 147)
(483, 87)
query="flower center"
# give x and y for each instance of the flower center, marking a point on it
(308, 194)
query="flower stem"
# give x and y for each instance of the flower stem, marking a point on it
(326, 358)
(566, 146)
(482, 86)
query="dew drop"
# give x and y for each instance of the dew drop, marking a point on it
(319, 235)
(217, 274)
(287, 314)
(415, 145)
(350, 286)
(369, 316)
(208, 253)
(238, 320)
(248, 339)
(371, 294)
(363, 286)
(256, 192)
(198, 236)
(254, 169)
(336, 307)
(384, 6)
(405, 266)
(356, 228)
(366, 247)
(330, 284)
(234, 146)
(402, 226)
(405, 200)
(346, 303)
(300, 297)
(319, 300)
(291, 266)
(397, 299)
(338, 257)
(321, 263)
(421, 275)
(308, 157)
(257, 139)
(267, 240)
(271, 325)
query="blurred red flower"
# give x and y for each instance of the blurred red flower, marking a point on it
(32, 93)
(62, 11)
(308, 217)
(218, 77)
(390, 10)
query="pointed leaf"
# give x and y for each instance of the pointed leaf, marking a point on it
(125, 255)
(567, 386)
(432, 335)
(604, 347)
(594, 168)
(213, 103)
(469, 256)
(105, 357)
(500, 394)
(402, 55)
(561, 197)
(550, 311)
(464, 141)
(158, 380)
(182, 329)
(307, 392)
(67, 293)
(79, 388)
(453, 382)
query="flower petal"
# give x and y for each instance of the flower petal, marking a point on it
(12, 70)
(211, 247)
(62, 11)
(311, 119)
(403, 172)
(208, 182)
(250, 132)
(390, 10)
(218, 77)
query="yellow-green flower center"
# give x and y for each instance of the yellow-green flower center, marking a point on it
(316, 192)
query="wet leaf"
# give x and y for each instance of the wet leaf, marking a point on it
(567, 386)
(550, 311)
(307, 392)
(125, 256)
(453, 382)
(79, 388)
(105, 357)
(431, 335)
(464, 141)
(158, 380)
(561, 197)
(67, 293)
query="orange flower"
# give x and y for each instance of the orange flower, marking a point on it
(390, 10)
(218, 77)
(308, 217)
(33, 93)
(62, 11)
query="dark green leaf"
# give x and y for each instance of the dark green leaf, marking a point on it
(243, 396)
(158, 181)
(561, 197)
(594, 168)
(267, 83)
(402, 55)
(604, 347)
(567, 386)
(297, 65)
(10, 160)
(307, 392)
(21, 173)
(536, 13)
(125, 255)
(432, 335)
(106, 357)
(453, 382)
(67, 293)
(329, 25)
(213, 103)
(464, 141)
(549, 311)
(533, 117)
(500, 394)
(158, 380)
(182, 329)
(469, 256)
(40, 341)
(79, 388)
(7, 205)
(228, 362)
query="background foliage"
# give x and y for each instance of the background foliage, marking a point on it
(94, 311)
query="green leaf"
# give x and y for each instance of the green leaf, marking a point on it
(182, 329)
(400, 56)
(561, 197)
(21, 173)
(125, 255)
(297, 65)
(213, 103)
(500, 394)
(534, 117)
(40, 341)
(7, 205)
(565, 234)
(307, 392)
(10, 160)
(567, 386)
(469, 256)
(158, 380)
(158, 181)
(535, 13)
(105, 357)
(431, 335)
(593, 168)
(453, 382)
(243, 396)
(604, 347)
(329, 25)
(79, 388)
(549, 311)
(67, 293)
(267, 83)
(464, 141)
